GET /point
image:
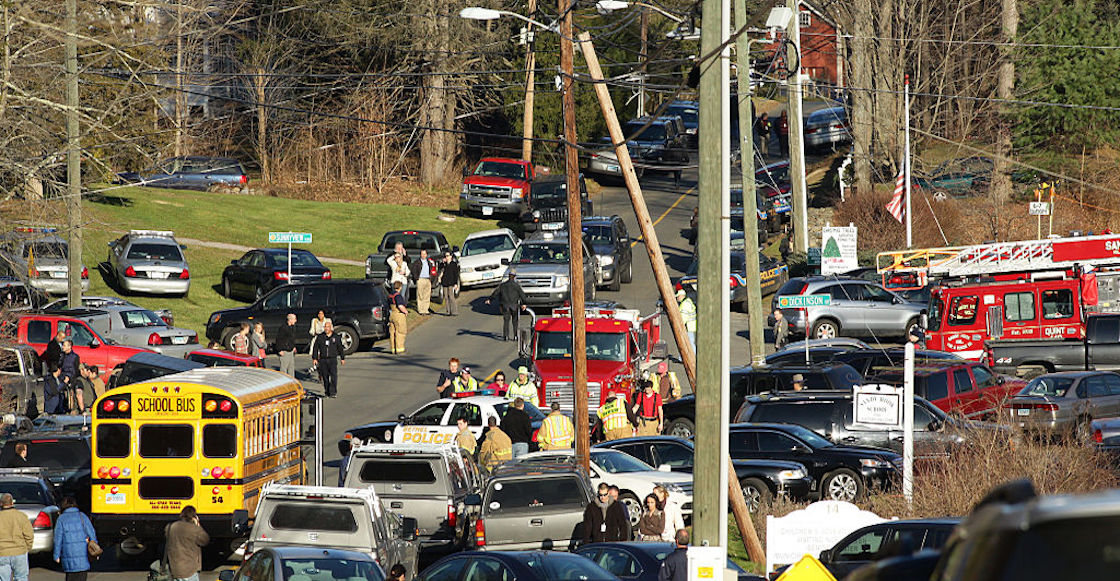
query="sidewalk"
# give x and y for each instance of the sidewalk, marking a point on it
(240, 248)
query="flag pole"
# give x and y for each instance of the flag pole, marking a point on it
(906, 161)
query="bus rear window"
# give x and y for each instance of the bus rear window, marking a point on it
(180, 487)
(397, 471)
(167, 441)
(314, 517)
(219, 441)
(113, 440)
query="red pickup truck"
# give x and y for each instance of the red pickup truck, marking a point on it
(37, 330)
(496, 185)
(965, 388)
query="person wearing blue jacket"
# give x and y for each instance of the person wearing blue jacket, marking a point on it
(72, 533)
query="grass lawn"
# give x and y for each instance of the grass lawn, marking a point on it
(341, 230)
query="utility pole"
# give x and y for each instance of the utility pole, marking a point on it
(530, 88)
(645, 223)
(797, 138)
(643, 57)
(750, 204)
(73, 161)
(575, 239)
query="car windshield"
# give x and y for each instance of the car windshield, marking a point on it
(298, 259)
(141, 318)
(534, 413)
(598, 234)
(600, 346)
(331, 570)
(500, 169)
(541, 254)
(487, 244)
(154, 251)
(618, 462)
(688, 114)
(808, 436)
(564, 567)
(46, 250)
(549, 194)
(638, 131)
(25, 492)
(1052, 386)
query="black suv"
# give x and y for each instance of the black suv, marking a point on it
(680, 414)
(358, 308)
(611, 243)
(64, 456)
(656, 140)
(548, 203)
(861, 359)
(839, 472)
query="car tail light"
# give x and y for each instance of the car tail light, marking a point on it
(327, 275)
(244, 179)
(1098, 436)
(377, 313)
(812, 130)
(479, 533)
(85, 272)
(280, 275)
(185, 274)
(155, 339)
(1041, 407)
(452, 514)
(130, 272)
(43, 521)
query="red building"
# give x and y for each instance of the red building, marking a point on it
(821, 46)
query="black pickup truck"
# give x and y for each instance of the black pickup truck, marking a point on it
(1030, 357)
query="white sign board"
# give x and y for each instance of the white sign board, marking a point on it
(812, 530)
(877, 405)
(706, 563)
(838, 249)
(1040, 208)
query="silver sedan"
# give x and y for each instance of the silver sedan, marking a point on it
(149, 261)
(139, 327)
(36, 498)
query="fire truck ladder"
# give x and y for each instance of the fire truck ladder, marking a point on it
(1002, 257)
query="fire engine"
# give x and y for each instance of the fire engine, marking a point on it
(1033, 289)
(621, 344)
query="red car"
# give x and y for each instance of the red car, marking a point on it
(38, 329)
(966, 388)
(223, 358)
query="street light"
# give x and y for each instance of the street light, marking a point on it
(606, 6)
(480, 13)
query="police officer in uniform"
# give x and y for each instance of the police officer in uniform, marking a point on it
(616, 423)
(523, 388)
(327, 350)
(557, 432)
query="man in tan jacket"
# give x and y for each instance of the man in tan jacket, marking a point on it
(465, 438)
(185, 539)
(16, 537)
(497, 447)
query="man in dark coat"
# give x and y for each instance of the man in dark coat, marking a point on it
(449, 280)
(54, 395)
(327, 350)
(286, 345)
(511, 301)
(605, 520)
(675, 566)
(53, 352)
(518, 427)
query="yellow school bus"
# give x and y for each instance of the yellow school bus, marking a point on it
(210, 438)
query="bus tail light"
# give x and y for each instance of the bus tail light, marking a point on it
(103, 472)
(479, 533)
(114, 472)
(216, 472)
(229, 472)
(109, 405)
(122, 406)
(43, 521)
(225, 406)
(452, 514)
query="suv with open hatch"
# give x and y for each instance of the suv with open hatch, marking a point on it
(530, 506)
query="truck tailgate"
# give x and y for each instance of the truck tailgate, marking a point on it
(430, 512)
(533, 514)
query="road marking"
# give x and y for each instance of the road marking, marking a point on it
(665, 213)
(491, 376)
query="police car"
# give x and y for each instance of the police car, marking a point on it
(436, 422)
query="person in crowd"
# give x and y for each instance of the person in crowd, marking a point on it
(54, 392)
(688, 316)
(69, 363)
(258, 345)
(675, 566)
(557, 431)
(19, 460)
(612, 414)
(667, 384)
(185, 540)
(465, 382)
(523, 387)
(398, 319)
(499, 386)
(511, 301)
(762, 134)
(16, 538)
(327, 356)
(496, 448)
(241, 340)
(449, 280)
(517, 425)
(422, 271)
(446, 377)
(652, 522)
(286, 345)
(782, 129)
(401, 272)
(93, 386)
(781, 330)
(73, 532)
(397, 572)
(647, 406)
(917, 336)
(605, 520)
(674, 518)
(316, 331)
(465, 438)
(53, 353)
(798, 382)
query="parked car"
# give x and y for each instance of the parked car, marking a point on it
(481, 258)
(428, 483)
(149, 261)
(97, 302)
(680, 414)
(15, 296)
(496, 185)
(838, 472)
(264, 269)
(1065, 404)
(13, 425)
(191, 173)
(36, 498)
(886, 539)
(520, 565)
(37, 330)
(140, 327)
(862, 360)
(540, 265)
(530, 506)
(857, 307)
(844, 343)
(1100, 349)
(41, 256)
(761, 480)
(920, 565)
(772, 275)
(611, 244)
(223, 358)
(634, 478)
(413, 241)
(62, 423)
(689, 112)
(1014, 534)
(64, 457)
(604, 164)
(358, 308)
(303, 563)
(773, 184)
(827, 128)
(657, 140)
(148, 366)
(962, 387)
(1105, 437)
(21, 377)
(639, 560)
(548, 203)
(323, 518)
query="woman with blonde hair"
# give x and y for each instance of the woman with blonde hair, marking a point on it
(674, 518)
(257, 343)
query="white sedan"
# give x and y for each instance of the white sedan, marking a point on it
(635, 479)
(480, 260)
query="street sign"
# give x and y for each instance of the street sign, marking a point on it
(804, 301)
(289, 238)
(877, 405)
(838, 249)
(1040, 209)
(813, 257)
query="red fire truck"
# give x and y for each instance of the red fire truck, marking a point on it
(621, 344)
(1034, 289)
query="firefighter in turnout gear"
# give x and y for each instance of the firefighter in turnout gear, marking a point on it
(523, 388)
(465, 438)
(497, 447)
(616, 423)
(557, 432)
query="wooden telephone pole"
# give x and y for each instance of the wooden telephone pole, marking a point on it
(73, 161)
(530, 88)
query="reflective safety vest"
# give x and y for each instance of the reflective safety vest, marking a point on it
(688, 314)
(556, 431)
(526, 391)
(613, 415)
(461, 386)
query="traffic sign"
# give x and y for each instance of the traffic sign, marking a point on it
(289, 238)
(804, 301)
(1040, 209)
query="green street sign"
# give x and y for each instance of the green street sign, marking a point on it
(289, 238)
(804, 301)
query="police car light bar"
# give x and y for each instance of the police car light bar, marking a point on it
(37, 229)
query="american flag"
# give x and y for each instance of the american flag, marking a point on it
(897, 205)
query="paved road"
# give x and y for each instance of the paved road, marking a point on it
(377, 386)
